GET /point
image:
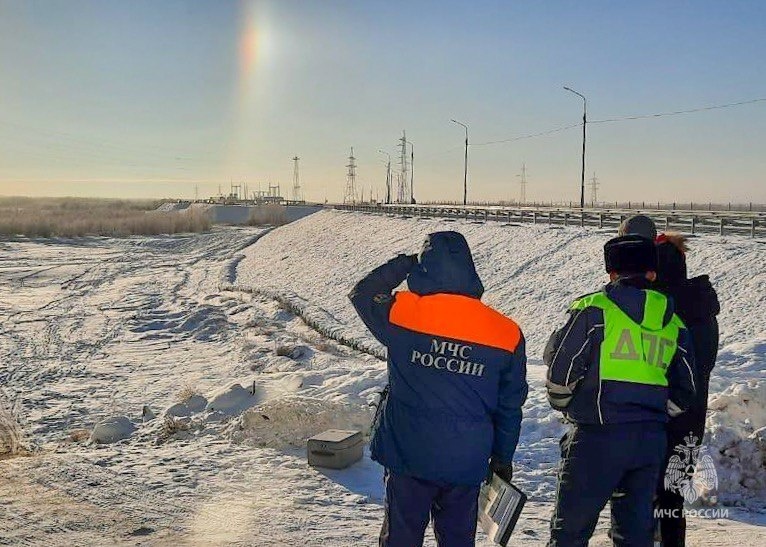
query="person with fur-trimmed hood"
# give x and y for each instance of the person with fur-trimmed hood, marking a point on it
(618, 368)
(697, 305)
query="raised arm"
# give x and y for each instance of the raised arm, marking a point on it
(372, 296)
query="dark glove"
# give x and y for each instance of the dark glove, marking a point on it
(412, 258)
(501, 469)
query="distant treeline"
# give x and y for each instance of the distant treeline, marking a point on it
(75, 217)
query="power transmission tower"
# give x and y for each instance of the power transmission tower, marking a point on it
(196, 192)
(594, 189)
(404, 190)
(297, 196)
(523, 184)
(349, 195)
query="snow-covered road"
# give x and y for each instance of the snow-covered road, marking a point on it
(101, 327)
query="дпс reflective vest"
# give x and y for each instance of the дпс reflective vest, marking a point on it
(633, 352)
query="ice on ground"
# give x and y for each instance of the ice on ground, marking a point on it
(112, 430)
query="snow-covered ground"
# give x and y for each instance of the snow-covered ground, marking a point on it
(202, 332)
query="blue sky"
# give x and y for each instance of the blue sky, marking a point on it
(150, 99)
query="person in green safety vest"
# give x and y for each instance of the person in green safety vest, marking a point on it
(619, 368)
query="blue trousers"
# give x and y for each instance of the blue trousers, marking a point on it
(597, 460)
(411, 503)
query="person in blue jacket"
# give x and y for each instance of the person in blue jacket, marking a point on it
(620, 367)
(457, 382)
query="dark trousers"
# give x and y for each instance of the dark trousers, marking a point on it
(411, 503)
(596, 460)
(670, 504)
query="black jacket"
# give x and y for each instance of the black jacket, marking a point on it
(696, 303)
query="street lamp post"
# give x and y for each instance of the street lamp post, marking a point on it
(388, 176)
(465, 164)
(584, 124)
(412, 172)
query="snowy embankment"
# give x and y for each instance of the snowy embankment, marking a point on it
(532, 273)
(162, 388)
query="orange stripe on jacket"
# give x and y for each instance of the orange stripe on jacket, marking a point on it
(454, 316)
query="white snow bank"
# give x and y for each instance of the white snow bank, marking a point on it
(234, 400)
(112, 430)
(737, 436)
(288, 422)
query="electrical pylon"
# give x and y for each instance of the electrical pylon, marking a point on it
(297, 195)
(594, 189)
(349, 196)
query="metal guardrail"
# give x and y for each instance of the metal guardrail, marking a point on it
(693, 222)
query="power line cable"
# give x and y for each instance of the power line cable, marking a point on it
(678, 112)
(622, 119)
(530, 136)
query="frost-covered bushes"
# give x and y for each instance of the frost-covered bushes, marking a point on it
(12, 439)
(269, 214)
(75, 217)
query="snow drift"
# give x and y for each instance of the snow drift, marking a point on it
(737, 435)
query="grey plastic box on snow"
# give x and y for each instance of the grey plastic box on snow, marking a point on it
(335, 448)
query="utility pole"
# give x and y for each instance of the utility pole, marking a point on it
(349, 195)
(403, 190)
(296, 181)
(196, 192)
(523, 184)
(594, 189)
(388, 176)
(412, 172)
(465, 164)
(584, 125)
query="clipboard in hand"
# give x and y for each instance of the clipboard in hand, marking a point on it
(500, 504)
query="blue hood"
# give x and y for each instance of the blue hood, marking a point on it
(445, 265)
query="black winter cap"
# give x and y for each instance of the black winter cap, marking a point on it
(630, 254)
